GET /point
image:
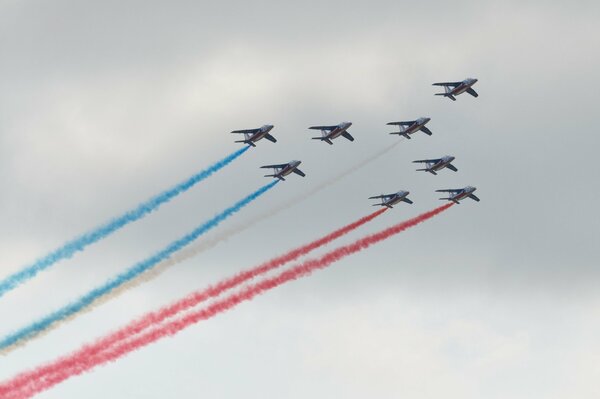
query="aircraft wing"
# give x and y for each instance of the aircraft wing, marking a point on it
(407, 200)
(281, 165)
(323, 127)
(450, 190)
(473, 196)
(245, 131)
(447, 84)
(452, 167)
(382, 196)
(426, 131)
(472, 92)
(299, 172)
(427, 161)
(270, 138)
(404, 123)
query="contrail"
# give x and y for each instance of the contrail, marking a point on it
(30, 383)
(97, 234)
(139, 268)
(229, 232)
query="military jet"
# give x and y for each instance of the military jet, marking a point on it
(452, 89)
(251, 136)
(329, 133)
(392, 199)
(459, 194)
(284, 169)
(409, 127)
(435, 165)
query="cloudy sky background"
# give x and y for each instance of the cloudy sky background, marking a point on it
(104, 104)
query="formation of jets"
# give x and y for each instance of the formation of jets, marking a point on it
(406, 129)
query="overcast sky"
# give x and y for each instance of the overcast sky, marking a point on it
(103, 104)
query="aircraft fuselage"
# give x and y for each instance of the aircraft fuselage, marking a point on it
(464, 86)
(264, 130)
(338, 131)
(289, 168)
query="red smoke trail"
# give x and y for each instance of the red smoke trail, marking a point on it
(212, 291)
(82, 361)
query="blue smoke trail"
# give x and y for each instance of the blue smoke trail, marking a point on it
(78, 244)
(147, 264)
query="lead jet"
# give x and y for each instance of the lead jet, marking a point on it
(409, 127)
(329, 133)
(459, 194)
(452, 89)
(284, 169)
(392, 199)
(435, 165)
(251, 136)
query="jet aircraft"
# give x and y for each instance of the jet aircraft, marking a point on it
(329, 133)
(251, 136)
(435, 165)
(409, 127)
(459, 194)
(392, 199)
(284, 169)
(452, 89)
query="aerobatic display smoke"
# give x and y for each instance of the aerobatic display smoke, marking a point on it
(97, 234)
(229, 232)
(30, 383)
(217, 289)
(139, 268)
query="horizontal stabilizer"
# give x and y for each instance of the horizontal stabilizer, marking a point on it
(246, 142)
(279, 177)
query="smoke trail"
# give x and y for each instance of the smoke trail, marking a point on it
(204, 245)
(89, 298)
(30, 383)
(227, 284)
(78, 244)
(227, 233)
